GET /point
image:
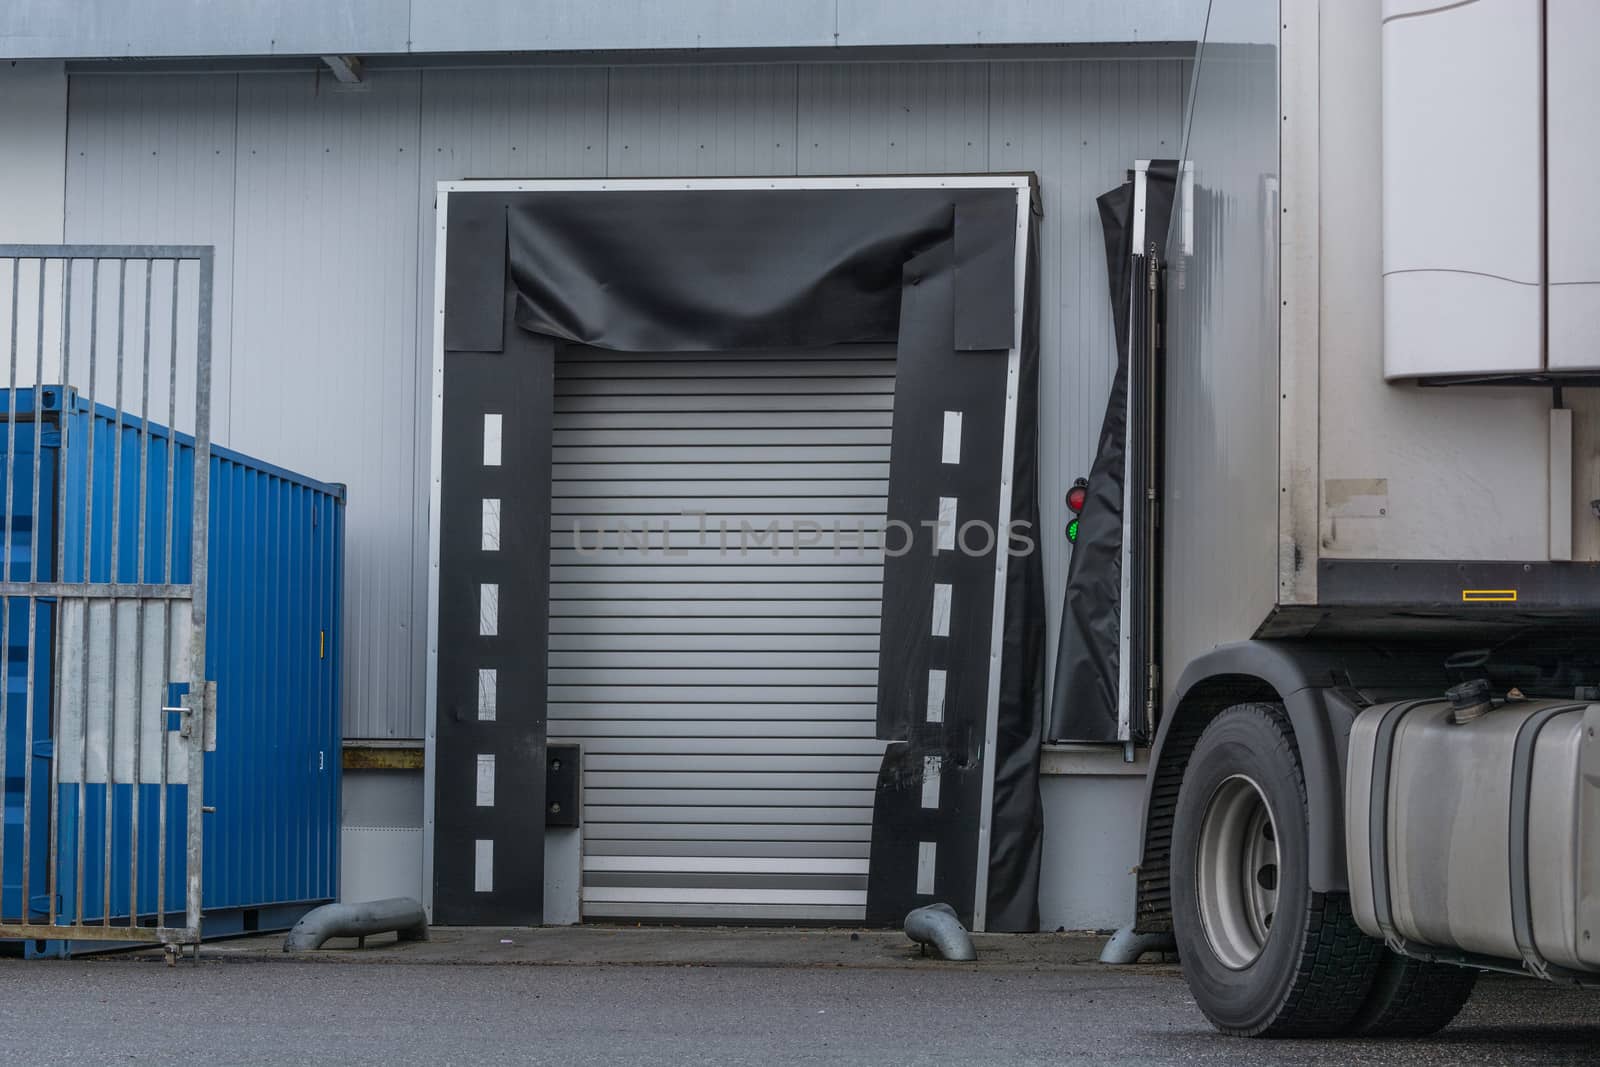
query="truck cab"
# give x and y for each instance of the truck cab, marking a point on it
(1372, 672)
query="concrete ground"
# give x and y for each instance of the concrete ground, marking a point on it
(621, 996)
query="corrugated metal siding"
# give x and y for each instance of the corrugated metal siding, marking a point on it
(701, 120)
(894, 118)
(721, 679)
(334, 230)
(151, 161)
(326, 360)
(1079, 126)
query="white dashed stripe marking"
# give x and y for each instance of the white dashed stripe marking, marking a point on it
(941, 609)
(931, 767)
(947, 524)
(927, 852)
(936, 680)
(951, 453)
(491, 524)
(488, 610)
(485, 793)
(488, 683)
(483, 867)
(491, 440)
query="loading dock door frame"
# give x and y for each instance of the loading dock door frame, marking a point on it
(1024, 316)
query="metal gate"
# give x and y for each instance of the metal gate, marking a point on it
(105, 717)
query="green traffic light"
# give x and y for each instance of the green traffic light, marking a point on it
(1072, 531)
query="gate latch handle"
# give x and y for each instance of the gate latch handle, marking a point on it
(178, 718)
(182, 718)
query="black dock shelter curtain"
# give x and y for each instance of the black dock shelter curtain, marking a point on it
(1084, 696)
(705, 269)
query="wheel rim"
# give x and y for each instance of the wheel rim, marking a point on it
(1237, 871)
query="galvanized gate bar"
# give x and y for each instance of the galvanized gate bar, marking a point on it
(139, 565)
(33, 564)
(55, 595)
(166, 576)
(5, 626)
(58, 571)
(98, 590)
(88, 559)
(201, 699)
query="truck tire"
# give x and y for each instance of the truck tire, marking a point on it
(1413, 998)
(1263, 955)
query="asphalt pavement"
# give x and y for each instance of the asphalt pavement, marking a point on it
(253, 1007)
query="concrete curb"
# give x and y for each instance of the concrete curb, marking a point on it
(615, 946)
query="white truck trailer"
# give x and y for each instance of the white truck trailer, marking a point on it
(1375, 771)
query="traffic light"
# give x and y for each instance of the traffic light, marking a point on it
(1077, 496)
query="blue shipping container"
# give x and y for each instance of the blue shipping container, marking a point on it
(275, 575)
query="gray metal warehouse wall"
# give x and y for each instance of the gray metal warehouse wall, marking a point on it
(318, 198)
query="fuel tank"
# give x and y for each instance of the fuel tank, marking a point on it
(1473, 824)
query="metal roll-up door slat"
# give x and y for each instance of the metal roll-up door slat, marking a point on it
(673, 452)
(712, 403)
(725, 699)
(630, 766)
(729, 382)
(584, 730)
(633, 847)
(808, 575)
(681, 534)
(702, 366)
(691, 492)
(855, 626)
(716, 747)
(777, 594)
(682, 780)
(579, 438)
(667, 709)
(661, 506)
(724, 815)
(678, 659)
(662, 607)
(738, 835)
(674, 422)
(726, 913)
(663, 643)
(687, 693)
(726, 864)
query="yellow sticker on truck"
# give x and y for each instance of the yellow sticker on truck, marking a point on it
(1488, 596)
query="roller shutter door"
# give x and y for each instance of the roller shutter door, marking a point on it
(723, 685)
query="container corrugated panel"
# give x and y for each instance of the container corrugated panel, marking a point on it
(276, 542)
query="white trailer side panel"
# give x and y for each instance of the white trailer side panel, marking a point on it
(1407, 472)
(1462, 229)
(1220, 515)
(1573, 129)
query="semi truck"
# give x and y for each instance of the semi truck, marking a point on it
(1373, 673)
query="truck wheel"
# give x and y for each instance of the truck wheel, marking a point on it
(1413, 998)
(1263, 955)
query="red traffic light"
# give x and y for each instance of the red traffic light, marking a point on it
(1077, 495)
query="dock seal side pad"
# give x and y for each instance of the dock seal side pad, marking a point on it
(493, 607)
(717, 270)
(1085, 698)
